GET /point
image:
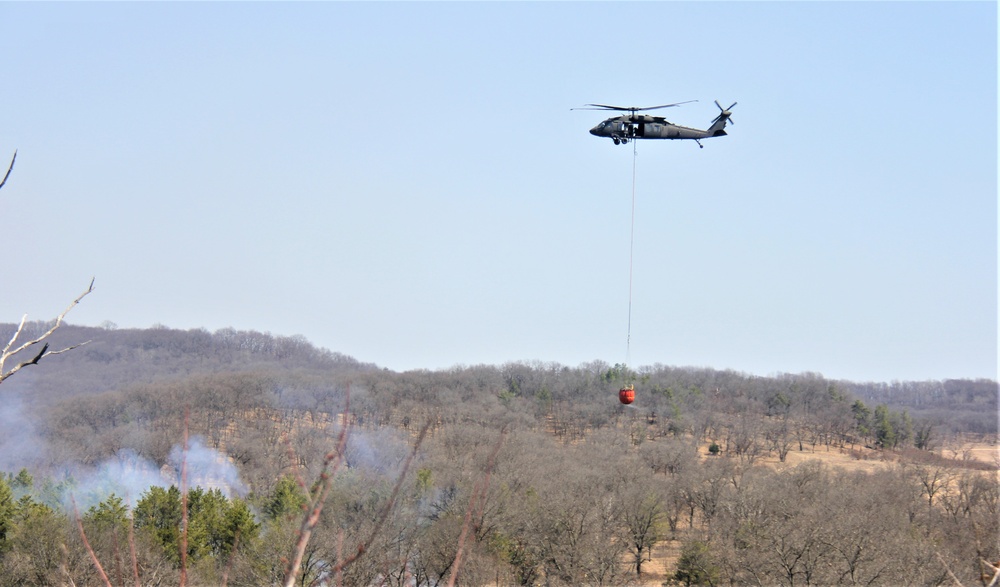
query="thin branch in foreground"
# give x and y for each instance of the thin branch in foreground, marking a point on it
(476, 504)
(86, 543)
(116, 558)
(232, 558)
(7, 352)
(9, 168)
(339, 575)
(131, 548)
(331, 462)
(387, 509)
(184, 501)
(62, 565)
(996, 573)
(948, 569)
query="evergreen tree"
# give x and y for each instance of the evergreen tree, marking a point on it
(902, 425)
(286, 500)
(695, 567)
(22, 482)
(214, 522)
(158, 512)
(862, 418)
(6, 512)
(112, 513)
(885, 433)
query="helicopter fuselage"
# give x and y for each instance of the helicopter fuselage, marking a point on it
(643, 126)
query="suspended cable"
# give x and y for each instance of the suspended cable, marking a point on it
(631, 246)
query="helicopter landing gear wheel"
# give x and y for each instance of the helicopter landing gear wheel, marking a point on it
(615, 139)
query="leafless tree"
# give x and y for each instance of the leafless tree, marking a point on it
(933, 480)
(12, 348)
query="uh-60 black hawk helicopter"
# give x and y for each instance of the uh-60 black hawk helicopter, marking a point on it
(622, 129)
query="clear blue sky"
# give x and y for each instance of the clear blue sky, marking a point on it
(406, 183)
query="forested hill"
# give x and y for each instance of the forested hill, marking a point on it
(116, 359)
(526, 473)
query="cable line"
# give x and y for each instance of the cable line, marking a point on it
(631, 247)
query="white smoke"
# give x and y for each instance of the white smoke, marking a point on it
(207, 468)
(20, 444)
(129, 476)
(381, 451)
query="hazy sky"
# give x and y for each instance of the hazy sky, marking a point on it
(406, 183)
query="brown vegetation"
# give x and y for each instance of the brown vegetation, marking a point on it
(526, 474)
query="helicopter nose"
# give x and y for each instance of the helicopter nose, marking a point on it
(594, 131)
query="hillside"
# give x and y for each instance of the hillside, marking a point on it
(117, 358)
(542, 457)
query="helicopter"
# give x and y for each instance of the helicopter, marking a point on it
(622, 129)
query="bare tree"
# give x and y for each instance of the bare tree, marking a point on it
(933, 480)
(10, 349)
(7, 350)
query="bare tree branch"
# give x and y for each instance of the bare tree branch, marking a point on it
(86, 543)
(317, 498)
(387, 508)
(314, 508)
(184, 500)
(9, 169)
(996, 573)
(131, 548)
(8, 352)
(476, 505)
(948, 569)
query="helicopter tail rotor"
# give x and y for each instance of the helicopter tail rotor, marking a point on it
(724, 113)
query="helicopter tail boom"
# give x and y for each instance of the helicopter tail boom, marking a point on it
(718, 127)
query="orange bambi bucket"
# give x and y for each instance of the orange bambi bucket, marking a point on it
(627, 394)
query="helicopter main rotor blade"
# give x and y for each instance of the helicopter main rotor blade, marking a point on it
(667, 105)
(606, 107)
(631, 108)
